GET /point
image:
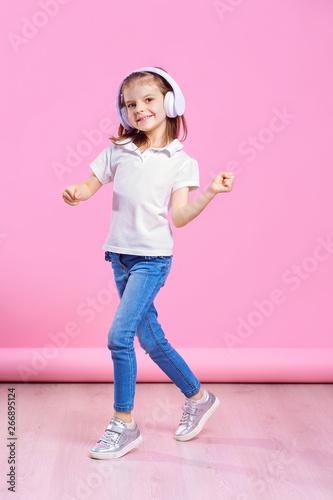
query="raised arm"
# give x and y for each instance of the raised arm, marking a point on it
(75, 193)
(183, 212)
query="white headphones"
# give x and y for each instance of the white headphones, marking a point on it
(174, 102)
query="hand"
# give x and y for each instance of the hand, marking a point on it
(223, 183)
(71, 195)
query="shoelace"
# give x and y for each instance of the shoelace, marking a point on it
(184, 418)
(186, 415)
(110, 436)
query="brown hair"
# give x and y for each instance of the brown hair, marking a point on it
(173, 125)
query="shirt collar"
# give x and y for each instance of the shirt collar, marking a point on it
(171, 148)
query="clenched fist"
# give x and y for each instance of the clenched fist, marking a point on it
(71, 195)
(223, 183)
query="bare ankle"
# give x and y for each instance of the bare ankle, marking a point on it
(199, 394)
(125, 416)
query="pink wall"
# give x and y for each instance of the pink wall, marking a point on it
(255, 269)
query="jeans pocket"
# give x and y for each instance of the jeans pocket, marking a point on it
(107, 256)
(110, 257)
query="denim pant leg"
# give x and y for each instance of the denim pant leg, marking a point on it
(137, 287)
(152, 339)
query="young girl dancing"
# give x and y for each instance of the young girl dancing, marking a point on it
(151, 174)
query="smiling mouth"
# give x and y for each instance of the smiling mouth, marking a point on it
(144, 118)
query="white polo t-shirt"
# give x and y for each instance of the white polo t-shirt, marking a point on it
(143, 184)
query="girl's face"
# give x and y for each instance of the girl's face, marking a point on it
(145, 107)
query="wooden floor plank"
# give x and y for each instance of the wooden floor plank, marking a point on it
(266, 441)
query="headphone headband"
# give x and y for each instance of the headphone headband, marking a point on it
(175, 103)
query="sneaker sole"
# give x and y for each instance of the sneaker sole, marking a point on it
(202, 422)
(117, 454)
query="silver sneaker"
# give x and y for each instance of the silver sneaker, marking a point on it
(116, 440)
(195, 415)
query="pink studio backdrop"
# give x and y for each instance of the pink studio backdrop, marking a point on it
(254, 270)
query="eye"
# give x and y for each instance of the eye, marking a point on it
(149, 99)
(130, 105)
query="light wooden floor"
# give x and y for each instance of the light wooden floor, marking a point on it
(266, 441)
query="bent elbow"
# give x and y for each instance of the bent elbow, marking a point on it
(177, 223)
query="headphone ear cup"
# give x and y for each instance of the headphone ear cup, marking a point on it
(169, 104)
(124, 119)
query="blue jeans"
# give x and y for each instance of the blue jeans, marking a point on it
(138, 280)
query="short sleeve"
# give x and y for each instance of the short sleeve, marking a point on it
(187, 176)
(102, 165)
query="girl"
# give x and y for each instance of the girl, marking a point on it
(151, 174)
